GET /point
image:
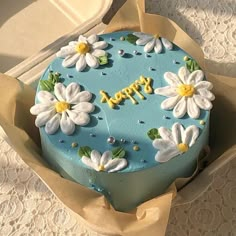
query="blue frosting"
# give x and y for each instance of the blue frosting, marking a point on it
(123, 121)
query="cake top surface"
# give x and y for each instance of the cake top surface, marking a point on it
(130, 96)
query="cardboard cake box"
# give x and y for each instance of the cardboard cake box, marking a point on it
(151, 217)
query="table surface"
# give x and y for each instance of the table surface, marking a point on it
(28, 207)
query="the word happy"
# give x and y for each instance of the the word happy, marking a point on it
(128, 92)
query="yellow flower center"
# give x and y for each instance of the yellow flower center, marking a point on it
(101, 168)
(82, 48)
(156, 36)
(62, 106)
(183, 147)
(185, 90)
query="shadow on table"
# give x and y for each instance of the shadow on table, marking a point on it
(8, 62)
(10, 7)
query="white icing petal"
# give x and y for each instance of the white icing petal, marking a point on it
(144, 40)
(95, 157)
(195, 77)
(167, 154)
(81, 63)
(190, 135)
(92, 38)
(60, 92)
(116, 164)
(192, 108)
(183, 74)
(167, 44)
(53, 124)
(202, 102)
(91, 60)
(167, 91)
(79, 118)
(88, 162)
(204, 85)
(40, 107)
(158, 46)
(66, 124)
(83, 96)
(139, 34)
(172, 79)
(206, 94)
(177, 132)
(66, 51)
(46, 97)
(84, 106)
(82, 39)
(70, 60)
(165, 134)
(44, 117)
(100, 45)
(149, 46)
(71, 91)
(98, 53)
(181, 108)
(73, 43)
(170, 103)
(159, 143)
(106, 157)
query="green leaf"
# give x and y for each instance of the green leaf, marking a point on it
(103, 60)
(56, 78)
(118, 152)
(153, 134)
(131, 38)
(49, 84)
(192, 65)
(85, 151)
(50, 76)
(46, 85)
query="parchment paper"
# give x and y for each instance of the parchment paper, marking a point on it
(91, 208)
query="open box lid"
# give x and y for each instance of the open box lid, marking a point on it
(86, 21)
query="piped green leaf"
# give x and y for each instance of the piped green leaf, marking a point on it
(46, 85)
(103, 60)
(85, 151)
(118, 152)
(192, 65)
(131, 38)
(153, 134)
(49, 84)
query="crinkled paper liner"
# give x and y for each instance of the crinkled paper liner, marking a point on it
(92, 209)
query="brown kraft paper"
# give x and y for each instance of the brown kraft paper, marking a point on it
(92, 209)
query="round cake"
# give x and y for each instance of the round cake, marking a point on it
(124, 114)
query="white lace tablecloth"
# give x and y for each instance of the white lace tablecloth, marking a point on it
(27, 207)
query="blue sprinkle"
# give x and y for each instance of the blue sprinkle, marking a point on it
(103, 73)
(92, 135)
(140, 121)
(147, 55)
(70, 76)
(134, 142)
(100, 118)
(143, 161)
(61, 141)
(166, 117)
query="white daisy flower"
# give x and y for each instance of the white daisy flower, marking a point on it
(187, 93)
(152, 42)
(104, 162)
(175, 142)
(67, 108)
(85, 51)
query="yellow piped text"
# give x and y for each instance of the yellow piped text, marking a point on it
(128, 92)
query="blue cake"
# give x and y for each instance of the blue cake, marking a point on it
(124, 114)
